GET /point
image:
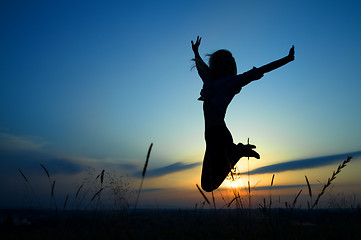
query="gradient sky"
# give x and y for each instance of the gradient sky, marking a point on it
(90, 84)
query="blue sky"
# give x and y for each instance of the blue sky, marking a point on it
(92, 84)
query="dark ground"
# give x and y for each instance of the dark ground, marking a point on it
(182, 224)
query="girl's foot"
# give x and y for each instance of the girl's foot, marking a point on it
(244, 151)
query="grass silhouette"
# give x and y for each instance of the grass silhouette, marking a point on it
(143, 175)
(232, 221)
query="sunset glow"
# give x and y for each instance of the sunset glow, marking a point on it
(87, 86)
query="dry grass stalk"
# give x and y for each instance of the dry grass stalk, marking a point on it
(329, 181)
(249, 183)
(102, 177)
(295, 200)
(309, 192)
(293, 205)
(65, 202)
(214, 201)
(270, 196)
(204, 196)
(230, 203)
(96, 194)
(46, 171)
(22, 174)
(143, 174)
(309, 187)
(273, 177)
(146, 161)
(52, 189)
(29, 185)
(220, 193)
(77, 193)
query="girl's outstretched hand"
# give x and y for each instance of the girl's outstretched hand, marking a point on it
(291, 54)
(195, 46)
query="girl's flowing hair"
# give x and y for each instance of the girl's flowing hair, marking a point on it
(221, 54)
(214, 58)
(200, 65)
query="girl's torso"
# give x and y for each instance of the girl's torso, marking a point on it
(218, 95)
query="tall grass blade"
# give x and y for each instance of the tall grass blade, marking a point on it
(270, 196)
(102, 177)
(329, 181)
(249, 182)
(222, 196)
(295, 200)
(77, 193)
(254, 186)
(147, 160)
(214, 201)
(66, 201)
(22, 174)
(52, 189)
(204, 196)
(30, 187)
(230, 203)
(309, 187)
(143, 174)
(273, 177)
(293, 205)
(46, 171)
(96, 194)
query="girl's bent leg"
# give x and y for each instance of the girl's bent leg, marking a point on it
(217, 159)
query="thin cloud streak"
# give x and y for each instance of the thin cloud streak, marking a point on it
(173, 168)
(276, 187)
(31, 160)
(302, 163)
(11, 142)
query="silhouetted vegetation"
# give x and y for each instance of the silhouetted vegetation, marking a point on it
(202, 222)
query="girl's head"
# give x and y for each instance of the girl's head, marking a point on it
(222, 64)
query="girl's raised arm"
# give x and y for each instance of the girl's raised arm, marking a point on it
(202, 68)
(257, 73)
(279, 63)
(195, 47)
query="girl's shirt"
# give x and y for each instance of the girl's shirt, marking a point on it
(218, 94)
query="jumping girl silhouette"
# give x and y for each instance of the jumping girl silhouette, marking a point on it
(220, 84)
